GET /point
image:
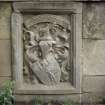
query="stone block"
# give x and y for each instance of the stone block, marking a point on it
(93, 57)
(92, 98)
(5, 58)
(3, 80)
(93, 83)
(94, 20)
(5, 13)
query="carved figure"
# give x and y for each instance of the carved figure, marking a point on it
(47, 52)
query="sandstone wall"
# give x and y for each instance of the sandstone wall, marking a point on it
(5, 42)
(93, 83)
(93, 51)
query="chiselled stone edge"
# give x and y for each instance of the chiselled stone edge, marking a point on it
(57, 7)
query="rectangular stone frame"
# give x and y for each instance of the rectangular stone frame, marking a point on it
(75, 10)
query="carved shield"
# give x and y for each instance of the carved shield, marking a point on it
(46, 48)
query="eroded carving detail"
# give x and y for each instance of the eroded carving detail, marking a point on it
(46, 49)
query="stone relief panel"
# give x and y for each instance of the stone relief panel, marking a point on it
(46, 46)
(46, 49)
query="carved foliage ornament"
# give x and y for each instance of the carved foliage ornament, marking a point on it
(46, 49)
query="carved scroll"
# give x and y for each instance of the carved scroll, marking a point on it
(46, 49)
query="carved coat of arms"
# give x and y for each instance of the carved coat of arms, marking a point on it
(46, 49)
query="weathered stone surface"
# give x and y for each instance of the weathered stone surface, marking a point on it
(94, 20)
(94, 84)
(50, 6)
(5, 58)
(3, 80)
(93, 57)
(92, 98)
(5, 12)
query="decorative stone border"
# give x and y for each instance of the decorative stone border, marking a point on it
(73, 9)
